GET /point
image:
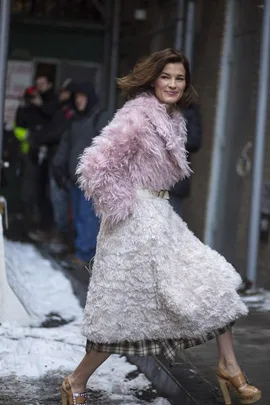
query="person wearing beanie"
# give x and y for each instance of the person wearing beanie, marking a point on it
(84, 127)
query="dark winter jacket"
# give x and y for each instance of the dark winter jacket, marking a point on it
(84, 127)
(72, 145)
(52, 132)
(50, 103)
(194, 135)
(28, 116)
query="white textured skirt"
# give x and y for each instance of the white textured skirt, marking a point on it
(154, 281)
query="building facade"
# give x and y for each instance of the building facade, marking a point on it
(149, 25)
(232, 215)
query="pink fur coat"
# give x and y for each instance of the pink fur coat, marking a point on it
(142, 147)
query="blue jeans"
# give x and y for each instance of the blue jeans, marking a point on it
(60, 202)
(86, 225)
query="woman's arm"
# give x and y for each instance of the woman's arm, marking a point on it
(105, 169)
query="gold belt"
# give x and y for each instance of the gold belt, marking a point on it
(161, 194)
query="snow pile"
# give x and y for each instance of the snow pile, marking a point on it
(42, 289)
(260, 300)
(34, 352)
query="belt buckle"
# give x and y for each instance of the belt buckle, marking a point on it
(163, 194)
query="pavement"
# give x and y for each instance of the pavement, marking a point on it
(45, 391)
(194, 371)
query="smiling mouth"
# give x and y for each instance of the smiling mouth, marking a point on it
(172, 93)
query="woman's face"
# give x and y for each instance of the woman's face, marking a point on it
(171, 83)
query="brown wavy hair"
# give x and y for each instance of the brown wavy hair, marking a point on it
(147, 70)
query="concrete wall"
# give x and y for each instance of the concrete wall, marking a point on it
(234, 197)
(252, 33)
(242, 113)
(206, 64)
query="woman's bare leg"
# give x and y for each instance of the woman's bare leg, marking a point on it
(91, 361)
(227, 358)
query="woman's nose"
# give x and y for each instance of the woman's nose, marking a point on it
(172, 84)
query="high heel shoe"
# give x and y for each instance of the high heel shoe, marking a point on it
(246, 393)
(68, 398)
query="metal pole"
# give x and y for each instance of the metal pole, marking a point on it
(178, 43)
(257, 175)
(114, 57)
(4, 30)
(219, 131)
(106, 57)
(189, 36)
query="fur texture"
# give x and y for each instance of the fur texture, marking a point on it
(141, 147)
(152, 278)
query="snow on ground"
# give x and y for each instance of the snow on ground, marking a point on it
(32, 353)
(259, 301)
(42, 289)
(36, 352)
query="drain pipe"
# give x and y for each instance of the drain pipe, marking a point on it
(259, 139)
(114, 58)
(190, 26)
(219, 131)
(179, 34)
(4, 30)
(106, 56)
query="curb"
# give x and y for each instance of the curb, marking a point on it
(180, 384)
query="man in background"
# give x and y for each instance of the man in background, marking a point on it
(29, 118)
(47, 100)
(50, 136)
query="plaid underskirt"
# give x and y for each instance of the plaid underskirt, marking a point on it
(167, 347)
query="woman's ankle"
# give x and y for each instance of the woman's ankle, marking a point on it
(230, 367)
(76, 385)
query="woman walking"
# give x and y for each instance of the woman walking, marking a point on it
(155, 287)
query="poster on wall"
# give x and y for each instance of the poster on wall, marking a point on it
(19, 77)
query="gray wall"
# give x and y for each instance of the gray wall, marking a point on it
(240, 123)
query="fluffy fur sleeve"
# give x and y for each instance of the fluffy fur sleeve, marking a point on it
(103, 168)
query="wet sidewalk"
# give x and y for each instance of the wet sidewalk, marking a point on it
(194, 372)
(46, 391)
(192, 380)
